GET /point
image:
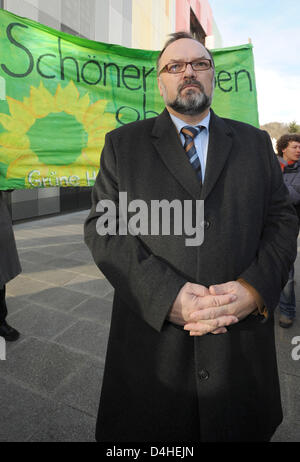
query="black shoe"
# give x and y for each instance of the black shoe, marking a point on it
(285, 322)
(9, 333)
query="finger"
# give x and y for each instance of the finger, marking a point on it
(211, 313)
(198, 289)
(204, 327)
(219, 289)
(211, 301)
(211, 324)
(221, 330)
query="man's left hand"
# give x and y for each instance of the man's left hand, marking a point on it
(242, 307)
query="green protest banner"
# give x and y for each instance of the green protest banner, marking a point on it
(60, 94)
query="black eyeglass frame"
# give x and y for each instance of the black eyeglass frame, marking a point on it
(165, 68)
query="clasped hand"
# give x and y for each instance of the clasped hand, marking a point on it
(203, 310)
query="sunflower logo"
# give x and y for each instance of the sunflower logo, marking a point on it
(59, 134)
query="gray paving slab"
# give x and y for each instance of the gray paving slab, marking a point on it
(75, 392)
(15, 304)
(35, 256)
(289, 430)
(25, 285)
(66, 425)
(62, 262)
(37, 321)
(94, 309)
(40, 365)
(21, 411)
(82, 254)
(59, 298)
(86, 337)
(90, 286)
(291, 397)
(52, 276)
(67, 249)
(88, 269)
(30, 267)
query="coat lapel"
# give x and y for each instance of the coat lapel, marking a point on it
(167, 142)
(220, 143)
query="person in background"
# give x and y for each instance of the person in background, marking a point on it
(288, 149)
(9, 268)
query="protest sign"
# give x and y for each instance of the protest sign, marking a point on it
(60, 94)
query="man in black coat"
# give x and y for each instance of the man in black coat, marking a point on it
(9, 268)
(191, 353)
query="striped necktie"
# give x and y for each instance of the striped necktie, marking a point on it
(189, 134)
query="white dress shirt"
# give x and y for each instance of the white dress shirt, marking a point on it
(201, 140)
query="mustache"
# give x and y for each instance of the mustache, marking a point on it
(189, 82)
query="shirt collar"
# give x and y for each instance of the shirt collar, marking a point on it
(179, 124)
(285, 162)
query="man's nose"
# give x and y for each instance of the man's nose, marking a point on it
(189, 71)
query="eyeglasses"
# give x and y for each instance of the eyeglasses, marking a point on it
(180, 66)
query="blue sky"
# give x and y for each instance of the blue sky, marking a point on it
(273, 26)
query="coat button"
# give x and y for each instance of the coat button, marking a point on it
(205, 224)
(203, 374)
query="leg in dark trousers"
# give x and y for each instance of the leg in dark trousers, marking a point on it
(3, 307)
(9, 333)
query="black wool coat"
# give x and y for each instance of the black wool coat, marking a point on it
(159, 383)
(9, 260)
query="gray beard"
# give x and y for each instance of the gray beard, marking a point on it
(192, 103)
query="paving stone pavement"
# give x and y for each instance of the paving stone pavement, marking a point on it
(61, 303)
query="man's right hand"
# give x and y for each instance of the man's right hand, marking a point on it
(195, 297)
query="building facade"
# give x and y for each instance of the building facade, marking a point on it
(141, 24)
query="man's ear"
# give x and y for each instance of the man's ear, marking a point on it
(159, 86)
